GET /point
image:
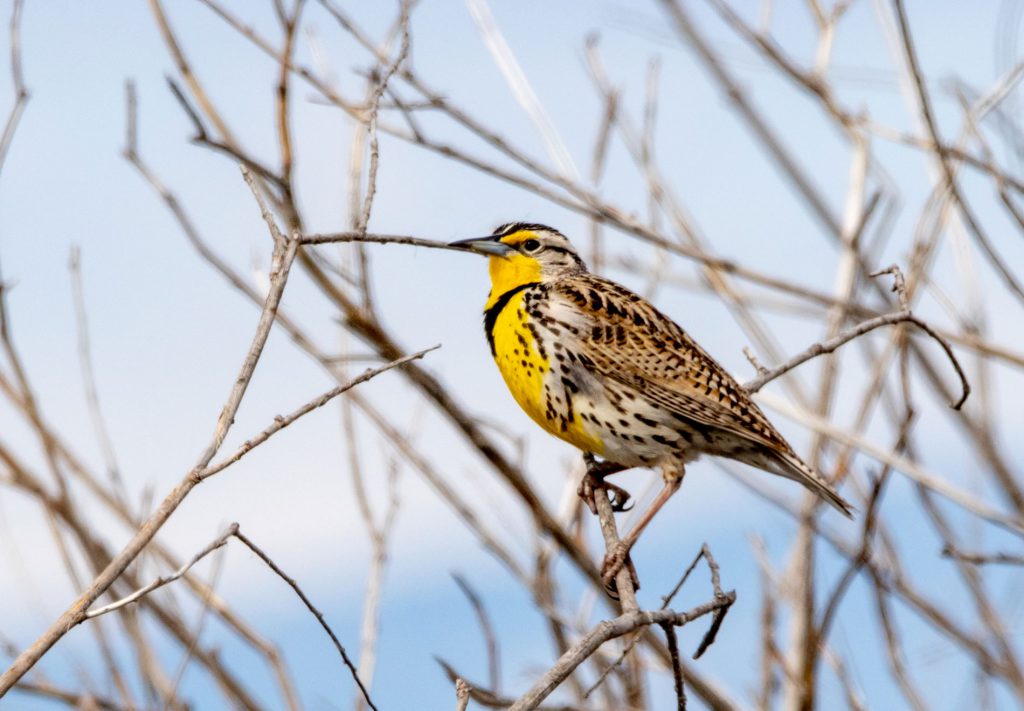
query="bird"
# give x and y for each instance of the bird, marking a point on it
(601, 368)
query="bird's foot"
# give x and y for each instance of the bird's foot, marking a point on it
(591, 484)
(613, 563)
(594, 481)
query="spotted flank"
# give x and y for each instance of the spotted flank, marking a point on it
(599, 367)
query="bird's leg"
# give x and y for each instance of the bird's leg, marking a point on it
(672, 473)
(594, 479)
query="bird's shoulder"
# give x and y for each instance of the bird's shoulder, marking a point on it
(633, 320)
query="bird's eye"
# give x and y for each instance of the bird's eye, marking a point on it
(531, 245)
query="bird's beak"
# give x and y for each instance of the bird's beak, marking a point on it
(490, 246)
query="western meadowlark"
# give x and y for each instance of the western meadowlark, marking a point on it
(599, 367)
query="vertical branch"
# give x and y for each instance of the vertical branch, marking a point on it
(897, 662)
(21, 94)
(806, 647)
(598, 162)
(379, 534)
(677, 674)
(490, 639)
(204, 611)
(373, 112)
(769, 683)
(89, 378)
(289, 24)
(624, 586)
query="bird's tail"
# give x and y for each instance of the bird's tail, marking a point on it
(789, 465)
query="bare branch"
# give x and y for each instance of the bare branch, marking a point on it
(677, 673)
(309, 605)
(489, 699)
(89, 376)
(164, 580)
(490, 639)
(345, 237)
(610, 629)
(280, 422)
(860, 329)
(462, 692)
(265, 213)
(371, 122)
(84, 701)
(21, 94)
(983, 558)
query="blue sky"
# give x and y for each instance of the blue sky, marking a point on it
(168, 334)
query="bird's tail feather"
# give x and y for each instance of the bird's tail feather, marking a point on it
(792, 467)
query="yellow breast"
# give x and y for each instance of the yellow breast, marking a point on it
(526, 372)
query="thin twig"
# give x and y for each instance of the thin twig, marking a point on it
(983, 558)
(309, 605)
(74, 700)
(604, 631)
(265, 213)
(21, 94)
(200, 624)
(164, 580)
(488, 699)
(89, 377)
(677, 673)
(202, 137)
(343, 237)
(490, 639)
(860, 329)
(719, 614)
(280, 422)
(371, 121)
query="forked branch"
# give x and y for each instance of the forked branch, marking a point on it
(904, 315)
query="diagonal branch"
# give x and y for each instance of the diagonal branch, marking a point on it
(281, 422)
(309, 605)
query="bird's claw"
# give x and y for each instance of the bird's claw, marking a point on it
(592, 483)
(619, 498)
(611, 566)
(594, 479)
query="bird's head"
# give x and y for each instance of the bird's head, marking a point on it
(522, 253)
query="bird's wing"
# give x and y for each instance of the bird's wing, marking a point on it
(623, 337)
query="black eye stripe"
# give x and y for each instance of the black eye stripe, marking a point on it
(572, 255)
